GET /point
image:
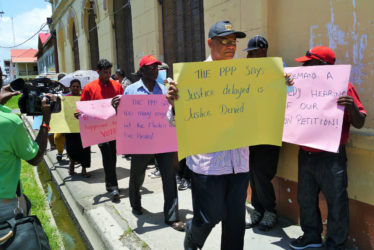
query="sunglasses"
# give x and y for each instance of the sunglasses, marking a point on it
(310, 54)
(227, 42)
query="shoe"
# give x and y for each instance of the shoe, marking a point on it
(137, 211)
(185, 184)
(115, 195)
(59, 157)
(268, 221)
(177, 225)
(303, 242)
(178, 179)
(252, 218)
(188, 242)
(155, 174)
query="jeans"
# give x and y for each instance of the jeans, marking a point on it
(218, 198)
(8, 206)
(326, 172)
(108, 154)
(169, 184)
(263, 167)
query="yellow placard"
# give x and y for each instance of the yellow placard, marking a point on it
(64, 121)
(229, 104)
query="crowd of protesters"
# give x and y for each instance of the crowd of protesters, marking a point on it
(219, 180)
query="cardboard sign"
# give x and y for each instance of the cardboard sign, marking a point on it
(98, 122)
(229, 104)
(64, 121)
(313, 118)
(142, 126)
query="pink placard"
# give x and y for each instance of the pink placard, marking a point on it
(143, 127)
(312, 117)
(98, 122)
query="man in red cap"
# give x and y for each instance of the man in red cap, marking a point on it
(103, 88)
(148, 85)
(325, 171)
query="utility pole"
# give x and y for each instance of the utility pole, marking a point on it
(14, 36)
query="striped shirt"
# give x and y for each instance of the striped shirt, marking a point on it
(218, 163)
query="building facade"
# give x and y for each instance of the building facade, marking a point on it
(47, 54)
(123, 31)
(23, 64)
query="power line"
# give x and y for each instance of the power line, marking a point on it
(11, 47)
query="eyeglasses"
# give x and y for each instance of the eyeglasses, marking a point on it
(227, 42)
(310, 54)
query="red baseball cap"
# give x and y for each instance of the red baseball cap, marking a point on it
(321, 53)
(148, 60)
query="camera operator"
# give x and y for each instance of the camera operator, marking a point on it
(16, 144)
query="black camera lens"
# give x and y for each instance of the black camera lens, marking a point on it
(17, 85)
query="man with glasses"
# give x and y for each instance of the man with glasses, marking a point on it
(325, 171)
(219, 180)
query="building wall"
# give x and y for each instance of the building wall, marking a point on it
(147, 31)
(26, 70)
(46, 63)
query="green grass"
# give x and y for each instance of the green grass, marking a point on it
(39, 203)
(13, 102)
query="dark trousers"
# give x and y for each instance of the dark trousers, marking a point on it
(108, 154)
(218, 198)
(326, 172)
(184, 171)
(263, 167)
(169, 185)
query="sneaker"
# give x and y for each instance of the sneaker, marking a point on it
(59, 157)
(303, 242)
(252, 218)
(268, 221)
(155, 174)
(185, 184)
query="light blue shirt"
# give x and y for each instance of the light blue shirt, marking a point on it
(138, 88)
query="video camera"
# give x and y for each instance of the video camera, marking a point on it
(30, 102)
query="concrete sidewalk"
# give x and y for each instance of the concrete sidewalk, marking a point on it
(118, 228)
(109, 225)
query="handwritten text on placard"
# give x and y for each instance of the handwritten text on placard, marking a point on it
(143, 127)
(313, 117)
(98, 122)
(229, 104)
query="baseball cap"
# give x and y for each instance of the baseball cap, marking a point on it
(224, 28)
(148, 60)
(257, 42)
(322, 53)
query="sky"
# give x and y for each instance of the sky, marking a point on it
(28, 17)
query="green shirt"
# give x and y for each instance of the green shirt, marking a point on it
(15, 144)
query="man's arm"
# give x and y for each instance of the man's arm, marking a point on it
(42, 137)
(357, 118)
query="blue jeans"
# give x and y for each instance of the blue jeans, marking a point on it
(7, 207)
(326, 172)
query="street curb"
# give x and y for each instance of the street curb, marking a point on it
(89, 235)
